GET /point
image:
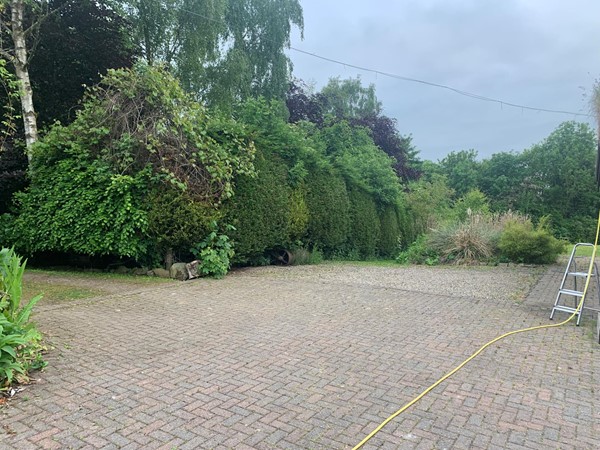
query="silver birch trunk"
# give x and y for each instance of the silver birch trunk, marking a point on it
(22, 73)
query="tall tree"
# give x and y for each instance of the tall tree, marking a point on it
(560, 179)
(222, 50)
(76, 44)
(13, 24)
(462, 170)
(304, 104)
(350, 99)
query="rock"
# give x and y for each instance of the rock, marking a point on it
(179, 271)
(192, 269)
(140, 271)
(161, 273)
(122, 270)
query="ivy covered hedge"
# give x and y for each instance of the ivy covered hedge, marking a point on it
(146, 172)
(142, 170)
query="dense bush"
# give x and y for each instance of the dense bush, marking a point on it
(299, 214)
(214, 252)
(427, 204)
(365, 228)
(419, 252)
(390, 231)
(176, 221)
(78, 205)
(108, 184)
(20, 341)
(329, 211)
(522, 242)
(260, 211)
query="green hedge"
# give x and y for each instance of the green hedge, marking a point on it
(329, 210)
(78, 206)
(390, 231)
(260, 210)
(365, 228)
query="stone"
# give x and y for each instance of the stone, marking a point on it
(192, 269)
(161, 273)
(140, 271)
(179, 271)
(122, 270)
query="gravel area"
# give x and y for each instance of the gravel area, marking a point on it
(508, 283)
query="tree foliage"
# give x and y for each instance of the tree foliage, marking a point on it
(225, 50)
(77, 42)
(361, 162)
(349, 99)
(94, 182)
(461, 170)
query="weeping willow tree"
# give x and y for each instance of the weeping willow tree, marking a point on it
(222, 50)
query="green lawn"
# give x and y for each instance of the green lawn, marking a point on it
(60, 285)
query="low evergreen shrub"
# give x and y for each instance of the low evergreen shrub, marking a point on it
(521, 242)
(419, 252)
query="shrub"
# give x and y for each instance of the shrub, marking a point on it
(260, 210)
(427, 204)
(523, 243)
(175, 221)
(214, 252)
(79, 206)
(419, 252)
(94, 183)
(329, 211)
(298, 214)
(20, 347)
(365, 228)
(390, 231)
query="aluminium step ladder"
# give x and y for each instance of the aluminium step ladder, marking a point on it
(573, 284)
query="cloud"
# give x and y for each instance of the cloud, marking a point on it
(530, 52)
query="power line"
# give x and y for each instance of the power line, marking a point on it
(416, 80)
(442, 86)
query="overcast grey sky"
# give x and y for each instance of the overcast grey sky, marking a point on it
(541, 53)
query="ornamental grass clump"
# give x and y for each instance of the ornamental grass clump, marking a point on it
(473, 240)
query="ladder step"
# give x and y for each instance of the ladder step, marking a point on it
(571, 292)
(580, 274)
(566, 309)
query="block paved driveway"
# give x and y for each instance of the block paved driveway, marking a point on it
(297, 358)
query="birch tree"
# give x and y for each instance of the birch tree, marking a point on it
(13, 27)
(221, 50)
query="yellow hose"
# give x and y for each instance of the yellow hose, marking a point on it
(483, 347)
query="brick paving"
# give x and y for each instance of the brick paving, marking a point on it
(256, 361)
